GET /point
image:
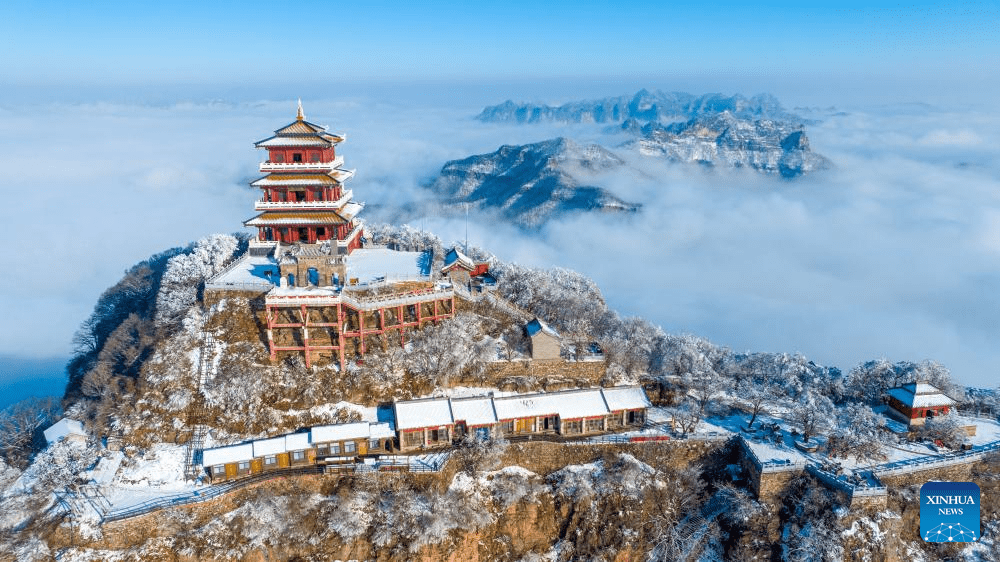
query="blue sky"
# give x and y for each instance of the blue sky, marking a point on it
(255, 44)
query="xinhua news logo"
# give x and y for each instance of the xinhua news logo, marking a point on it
(949, 512)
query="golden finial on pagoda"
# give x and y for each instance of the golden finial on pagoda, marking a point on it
(300, 116)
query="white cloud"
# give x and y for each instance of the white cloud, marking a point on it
(893, 252)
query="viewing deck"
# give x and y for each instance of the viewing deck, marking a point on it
(268, 166)
(264, 205)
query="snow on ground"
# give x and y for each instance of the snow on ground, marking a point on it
(465, 391)
(367, 413)
(367, 265)
(657, 414)
(767, 444)
(987, 430)
(250, 270)
(162, 467)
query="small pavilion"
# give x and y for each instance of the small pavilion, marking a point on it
(916, 402)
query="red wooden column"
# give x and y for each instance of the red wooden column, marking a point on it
(340, 335)
(270, 332)
(305, 335)
(402, 330)
(361, 329)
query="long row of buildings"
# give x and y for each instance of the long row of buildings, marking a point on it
(435, 423)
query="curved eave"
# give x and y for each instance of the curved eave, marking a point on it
(296, 142)
(271, 181)
(287, 218)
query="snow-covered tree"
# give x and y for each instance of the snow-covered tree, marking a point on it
(869, 381)
(813, 412)
(686, 416)
(21, 425)
(475, 455)
(754, 386)
(945, 429)
(187, 271)
(812, 531)
(440, 353)
(860, 433)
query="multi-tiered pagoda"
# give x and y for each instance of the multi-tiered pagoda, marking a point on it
(323, 302)
(306, 214)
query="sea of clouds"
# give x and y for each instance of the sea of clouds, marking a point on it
(892, 252)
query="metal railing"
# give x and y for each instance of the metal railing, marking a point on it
(263, 204)
(214, 283)
(852, 489)
(206, 494)
(262, 286)
(268, 166)
(908, 466)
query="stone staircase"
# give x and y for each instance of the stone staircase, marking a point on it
(196, 411)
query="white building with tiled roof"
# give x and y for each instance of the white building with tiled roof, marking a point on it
(430, 422)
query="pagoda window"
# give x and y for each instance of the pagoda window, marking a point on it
(300, 195)
(296, 157)
(321, 233)
(314, 156)
(318, 195)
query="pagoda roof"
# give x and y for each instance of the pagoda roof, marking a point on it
(324, 140)
(351, 210)
(300, 126)
(300, 179)
(301, 133)
(285, 218)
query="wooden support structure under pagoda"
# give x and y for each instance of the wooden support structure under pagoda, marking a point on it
(332, 323)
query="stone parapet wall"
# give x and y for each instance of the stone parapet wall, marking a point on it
(213, 296)
(546, 457)
(954, 473)
(592, 371)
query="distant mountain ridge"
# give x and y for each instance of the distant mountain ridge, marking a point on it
(646, 106)
(531, 183)
(765, 145)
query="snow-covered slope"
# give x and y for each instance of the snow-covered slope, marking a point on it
(646, 106)
(765, 145)
(531, 183)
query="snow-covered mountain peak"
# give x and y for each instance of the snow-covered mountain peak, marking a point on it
(532, 182)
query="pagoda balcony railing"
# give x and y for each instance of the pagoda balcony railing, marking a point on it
(262, 204)
(268, 166)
